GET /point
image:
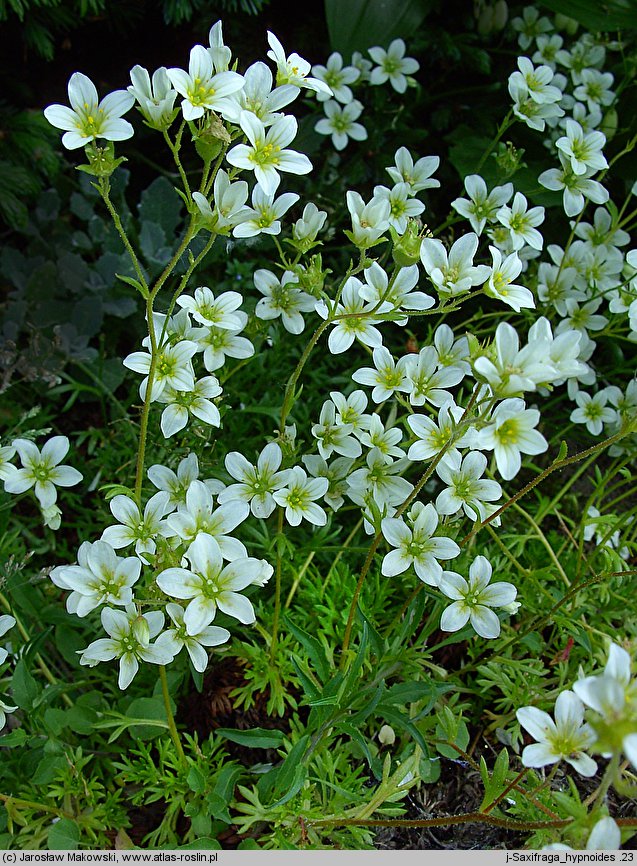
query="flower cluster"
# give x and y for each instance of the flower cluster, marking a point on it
(342, 110)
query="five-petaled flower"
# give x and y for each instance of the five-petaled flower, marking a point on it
(89, 117)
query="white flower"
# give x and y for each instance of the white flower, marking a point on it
(197, 402)
(605, 836)
(594, 88)
(337, 77)
(401, 207)
(530, 26)
(265, 214)
(576, 187)
(133, 527)
(282, 297)
(340, 123)
(536, 82)
(6, 622)
(433, 437)
(4, 709)
(613, 698)
(593, 411)
(293, 69)
(129, 639)
(566, 738)
(354, 319)
(393, 66)
(336, 473)
(173, 640)
(581, 318)
(473, 599)
(369, 221)
(583, 150)
(351, 410)
(258, 97)
(267, 153)
(172, 370)
(453, 273)
(385, 440)
(379, 481)
(501, 285)
(521, 220)
(177, 484)
(198, 517)
(377, 290)
(210, 586)
(299, 495)
(7, 469)
(256, 483)
(217, 342)
(100, 577)
(387, 376)
(89, 118)
(481, 207)
(202, 89)
(310, 224)
(332, 436)
(220, 53)
(428, 383)
(219, 311)
(546, 49)
(451, 352)
(528, 110)
(156, 98)
(510, 370)
(417, 546)
(509, 434)
(42, 470)
(416, 175)
(466, 489)
(229, 200)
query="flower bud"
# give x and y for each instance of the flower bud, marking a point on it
(141, 631)
(387, 735)
(509, 159)
(211, 139)
(563, 22)
(609, 123)
(312, 278)
(406, 249)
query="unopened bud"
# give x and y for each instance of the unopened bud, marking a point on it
(387, 735)
(406, 249)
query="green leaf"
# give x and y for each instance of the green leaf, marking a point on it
(223, 793)
(600, 17)
(355, 735)
(64, 835)
(196, 780)
(256, 738)
(453, 729)
(130, 281)
(313, 647)
(111, 490)
(160, 204)
(360, 24)
(495, 784)
(287, 774)
(300, 775)
(147, 710)
(14, 739)
(24, 688)
(562, 453)
(202, 843)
